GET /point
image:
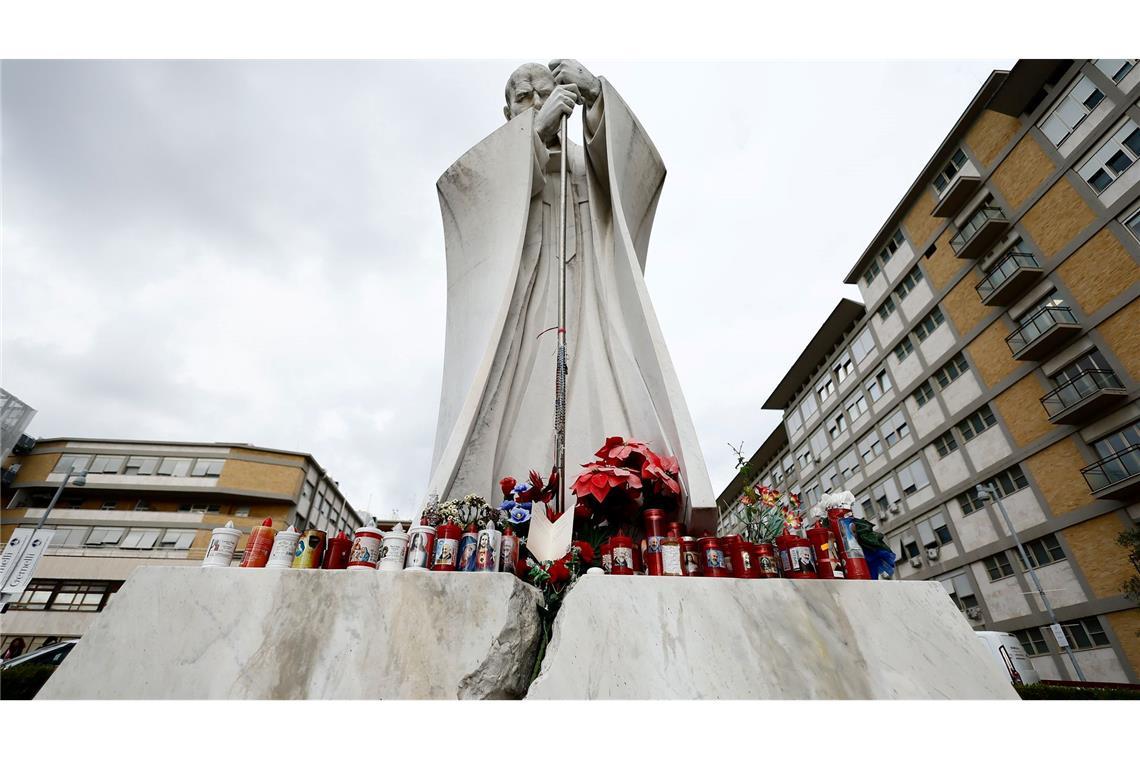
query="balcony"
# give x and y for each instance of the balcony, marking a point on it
(1081, 398)
(1045, 330)
(979, 233)
(1116, 476)
(961, 189)
(1010, 277)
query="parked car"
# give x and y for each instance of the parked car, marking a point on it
(1006, 650)
(22, 677)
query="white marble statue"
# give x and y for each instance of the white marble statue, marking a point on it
(500, 213)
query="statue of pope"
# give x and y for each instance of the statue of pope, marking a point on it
(500, 205)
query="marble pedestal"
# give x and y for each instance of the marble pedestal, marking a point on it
(208, 633)
(712, 638)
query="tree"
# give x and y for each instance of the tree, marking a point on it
(1130, 539)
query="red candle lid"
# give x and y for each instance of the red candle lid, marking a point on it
(267, 522)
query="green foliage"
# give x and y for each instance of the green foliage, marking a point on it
(24, 681)
(1050, 691)
(1130, 539)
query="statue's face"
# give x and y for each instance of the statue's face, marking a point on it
(529, 87)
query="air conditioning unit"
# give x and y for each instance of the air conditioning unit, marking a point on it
(894, 508)
(9, 474)
(916, 562)
(974, 613)
(932, 553)
(24, 444)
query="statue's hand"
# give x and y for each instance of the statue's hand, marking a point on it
(561, 102)
(567, 71)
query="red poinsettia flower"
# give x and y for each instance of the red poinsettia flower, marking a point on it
(585, 551)
(583, 511)
(507, 484)
(660, 477)
(598, 480)
(617, 450)
(559, 573)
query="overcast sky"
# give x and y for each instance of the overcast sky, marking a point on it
(253, 251)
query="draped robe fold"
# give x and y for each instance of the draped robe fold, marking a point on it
(500, 211)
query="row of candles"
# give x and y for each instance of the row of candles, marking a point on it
(423, 547)
(827, 549)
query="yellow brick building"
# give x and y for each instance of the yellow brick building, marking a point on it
(145, 502)
(999, 344)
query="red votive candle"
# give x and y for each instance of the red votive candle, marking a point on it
(796, 560)
(654, 535)
(765, 557)
(712, 558)
(445, 554)
(621, 548)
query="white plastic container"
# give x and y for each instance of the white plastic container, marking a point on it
(393, 550)
(284, 548)
(421, 541)
(365, 552)
(223, 546)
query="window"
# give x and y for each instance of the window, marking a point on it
(808, 407)
(819, 442)
(1116, 69)
(794, 421)
(789, 465)
(827, 479)
(174, 467)
(872, 272)
(106, 464)
(1085, 633)
(78, 461)
(1092, 361)
(36, 596)
(200, 509)
(957, 161)
(207, 468)
(929, 324)
(69, 535)
(887, 307)
(804, 457)
(998, 566)
(837, 426)
(104, 536)
(913, 477)
(908, 283)
(812, 493)
(1006, 482)
(904, 349)
(141, 538)
(1032, 641)
(825, 390)
(946, 443)
(879, 384)
(855, 405)
(848, 463)
(1133, 224)
(885, 494)
(1042, 551)
(979, 421)
(891, 246)
(178, 539)
(961, 591)
(870, 447)
(141, 466)
(933, 533)
(908, 548)
(923, 393)
(951, 370)
(1071, 110)
(1113, 158)
(895, 428)
(1119, 442)
(843, 368)
(863, 345)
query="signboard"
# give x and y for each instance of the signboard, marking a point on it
(21, 571)
(12, 550)
(1059, 634)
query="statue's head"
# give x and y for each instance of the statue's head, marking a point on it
(528, 87)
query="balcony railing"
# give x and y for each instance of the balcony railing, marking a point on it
(981, 228)
(1042, 327)
(953, 196)
(1013, 267)
(1081, 389)
(1114, 473)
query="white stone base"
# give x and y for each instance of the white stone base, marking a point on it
(209, 633)
(711, 638)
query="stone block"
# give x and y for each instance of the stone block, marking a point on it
(229, 633)
(712, 638)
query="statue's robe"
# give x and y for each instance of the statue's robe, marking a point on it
(500, 212)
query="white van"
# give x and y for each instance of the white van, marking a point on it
(1006, 650)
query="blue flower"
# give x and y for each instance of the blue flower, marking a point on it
(507, 505)
(521, 487)
(518, 516)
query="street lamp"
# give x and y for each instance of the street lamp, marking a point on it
(989, 493)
